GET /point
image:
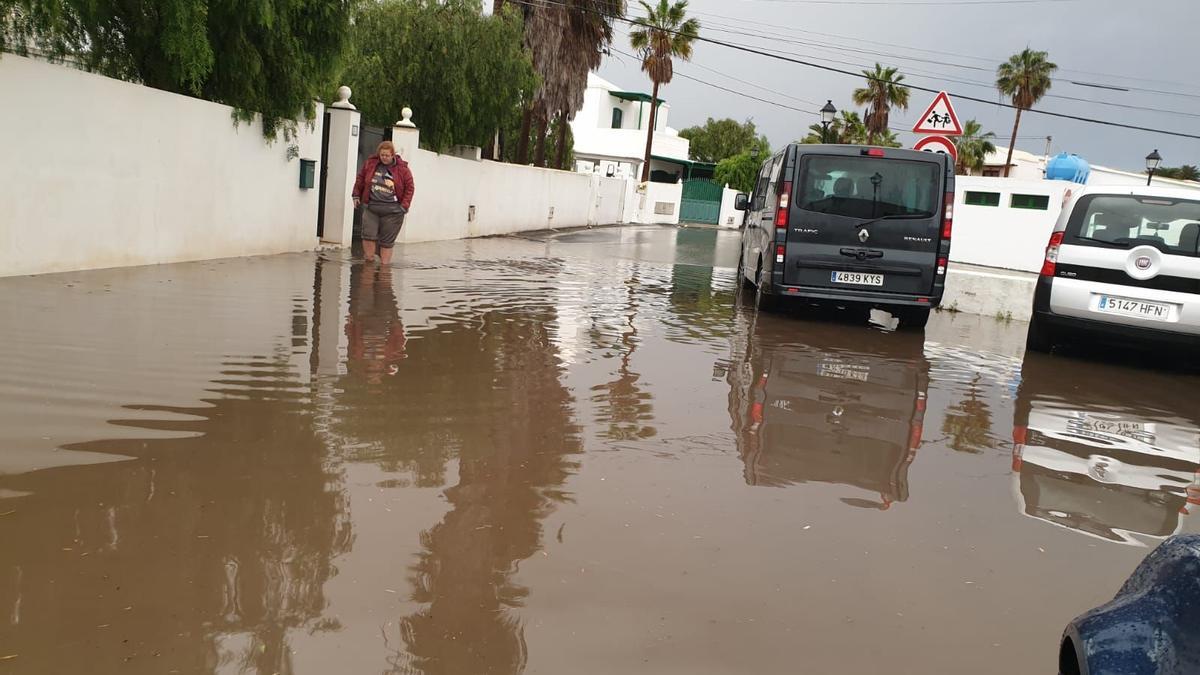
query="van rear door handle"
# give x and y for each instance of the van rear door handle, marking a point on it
(861, 253)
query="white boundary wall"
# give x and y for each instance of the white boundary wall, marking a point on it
(658, 203)
(1002, 236)
(95, 172)
(730, 217)
(609, 203)
(457, 198)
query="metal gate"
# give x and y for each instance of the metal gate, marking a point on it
(701, 201)
(324, 168)
(369, 139)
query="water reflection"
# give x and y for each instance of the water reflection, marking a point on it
(446, 396)
(516, 446)
(200, 553)
(623, 405)
(1112, 456)
(373, 326)
(967, 424)
(830, 405)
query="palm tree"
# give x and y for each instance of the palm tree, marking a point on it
(848, 129)
(1026, 78)
(851, 129)
(888, 139)
(973, 146)
(588, 34)
(664, 33)
(883, 91)
(816, 133)
(566, 41)
(1189, 172)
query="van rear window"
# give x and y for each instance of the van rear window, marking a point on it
(1125, 221)
(869, 187)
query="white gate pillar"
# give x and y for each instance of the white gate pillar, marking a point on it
(405, 136)
(342, 165)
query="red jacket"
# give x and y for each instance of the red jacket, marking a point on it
(400, 174)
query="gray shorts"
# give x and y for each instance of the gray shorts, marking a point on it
(381, 222)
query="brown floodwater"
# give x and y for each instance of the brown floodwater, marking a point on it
(571, 453)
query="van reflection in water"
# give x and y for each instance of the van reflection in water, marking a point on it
(829, 405)
(1110, 457)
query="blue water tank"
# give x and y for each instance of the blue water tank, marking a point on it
(1068, 167)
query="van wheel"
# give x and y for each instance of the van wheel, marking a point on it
(1039, 338)
(765, 302)
(914, 318)
(742, 281)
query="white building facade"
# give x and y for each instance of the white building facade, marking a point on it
(1028, 166)
(610, 134)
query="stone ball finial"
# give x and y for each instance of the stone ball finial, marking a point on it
(406, 118)
(343, 94)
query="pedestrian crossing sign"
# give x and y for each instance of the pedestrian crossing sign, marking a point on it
(939, 118)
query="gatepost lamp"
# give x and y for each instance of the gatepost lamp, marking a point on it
(1152, 161)
(827, 114)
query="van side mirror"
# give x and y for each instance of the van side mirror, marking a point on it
(741, 202)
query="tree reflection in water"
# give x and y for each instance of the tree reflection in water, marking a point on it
(622, 403)
(514, 457)
(211, 547)
(968, 423)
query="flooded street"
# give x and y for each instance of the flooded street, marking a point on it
(570, 453)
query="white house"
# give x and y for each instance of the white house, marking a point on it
(1028, 166)
(610, 135)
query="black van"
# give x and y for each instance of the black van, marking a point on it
(850, 224)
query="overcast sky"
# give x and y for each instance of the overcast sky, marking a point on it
(1146, 44)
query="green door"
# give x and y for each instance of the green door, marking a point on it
(701, 201)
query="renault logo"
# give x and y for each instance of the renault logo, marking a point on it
(1143, 262)
(864, 235)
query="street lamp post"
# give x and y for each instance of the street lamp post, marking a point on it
(1152, 161)
(827, 114)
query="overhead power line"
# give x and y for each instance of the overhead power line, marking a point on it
(841, 48)
(992, 60)
(832, 69)
(967, 3)
(807, 111)
(943, 77)
(932, 75)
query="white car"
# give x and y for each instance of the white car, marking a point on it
(1122, 264)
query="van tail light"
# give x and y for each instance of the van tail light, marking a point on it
(948, 216)
(1019, 436)
(915, 432)
(917, 429)
(941, 270)
(779, 251)
(785, 200)
(873, 152)
(1052, 254)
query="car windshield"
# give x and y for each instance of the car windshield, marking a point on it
(868, 187)
(1124, 221)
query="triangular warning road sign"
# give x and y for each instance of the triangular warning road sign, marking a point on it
(939, 118)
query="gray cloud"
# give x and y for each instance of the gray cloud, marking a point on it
(1148, 44)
